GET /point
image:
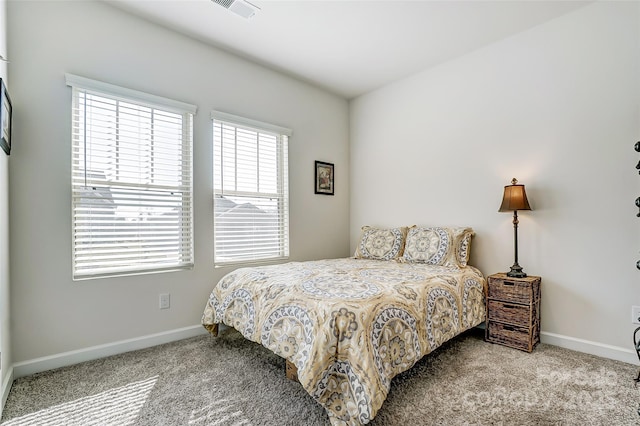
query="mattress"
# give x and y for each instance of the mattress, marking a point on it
(349, 325)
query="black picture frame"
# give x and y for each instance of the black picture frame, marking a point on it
(324, 178)
(6, 111)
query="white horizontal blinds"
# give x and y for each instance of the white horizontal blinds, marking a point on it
(132, 186)
(251, 198)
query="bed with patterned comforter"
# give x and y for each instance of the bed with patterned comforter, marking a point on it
(349, 325)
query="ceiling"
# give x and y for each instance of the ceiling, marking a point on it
(350, 47)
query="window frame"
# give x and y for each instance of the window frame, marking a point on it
(185, 224)
(283, 136)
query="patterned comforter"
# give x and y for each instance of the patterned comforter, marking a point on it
(349, 325)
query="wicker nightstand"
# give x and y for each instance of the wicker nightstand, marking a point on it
(513, 311)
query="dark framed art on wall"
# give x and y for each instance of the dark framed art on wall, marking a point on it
(324, 178)
(5, 118)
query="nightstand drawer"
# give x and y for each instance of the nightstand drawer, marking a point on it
(513, 336)
(517, 291)
(509, 313)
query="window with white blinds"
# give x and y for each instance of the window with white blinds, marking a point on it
(251, 190)
(131, 181)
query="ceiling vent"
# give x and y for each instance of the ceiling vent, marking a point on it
(239, 7)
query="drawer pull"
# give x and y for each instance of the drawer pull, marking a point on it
(509, 306)
(509, 283)
(508, 328)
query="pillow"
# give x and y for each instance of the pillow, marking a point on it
(381, 244)
(462, 244)
(438, 246)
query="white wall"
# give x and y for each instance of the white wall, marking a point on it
(557, 107)
(51, 313)
(5, 332)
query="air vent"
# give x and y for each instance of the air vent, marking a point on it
(239, 7)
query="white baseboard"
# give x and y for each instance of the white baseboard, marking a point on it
(599, 349)
(6, 387)
(26, 368)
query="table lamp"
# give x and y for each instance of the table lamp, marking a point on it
(514, 199)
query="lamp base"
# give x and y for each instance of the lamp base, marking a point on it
(516, 271)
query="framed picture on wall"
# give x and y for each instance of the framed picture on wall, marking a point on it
(324, 178)
(5, 118)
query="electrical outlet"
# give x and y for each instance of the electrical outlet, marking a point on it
(635, 314)
(165, 301)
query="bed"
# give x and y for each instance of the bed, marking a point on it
(350, 325)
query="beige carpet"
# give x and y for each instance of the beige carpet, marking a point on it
(227, 381)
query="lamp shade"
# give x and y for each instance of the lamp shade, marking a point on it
(514, 198)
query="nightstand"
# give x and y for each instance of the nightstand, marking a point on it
(513, 311)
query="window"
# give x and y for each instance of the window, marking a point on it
(131, 181)
(251, 190)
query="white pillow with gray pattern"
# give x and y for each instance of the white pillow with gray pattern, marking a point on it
(438, 246)
(381, 244)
